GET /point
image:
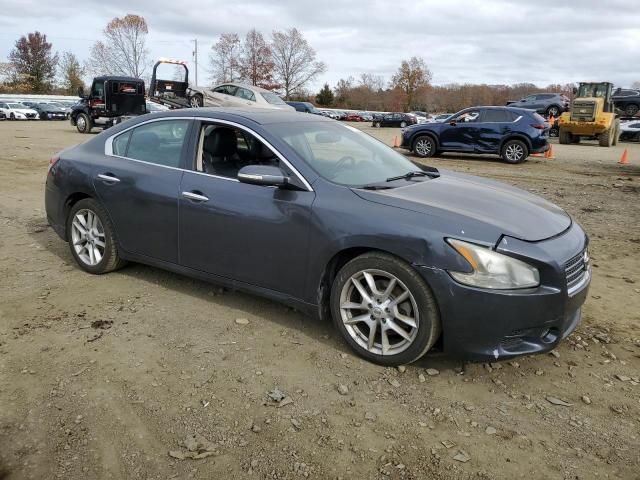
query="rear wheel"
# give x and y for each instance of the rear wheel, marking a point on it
(376, 124)
(91, 238)
(424, 146)
(631, 110)
(384, 309)
(564, 137)
(514, 151)
(84, 124)
(553, 111)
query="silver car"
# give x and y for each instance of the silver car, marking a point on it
(237, 95)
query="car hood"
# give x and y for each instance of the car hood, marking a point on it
(23, 110)
(504, 209)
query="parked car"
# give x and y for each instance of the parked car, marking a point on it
(627, 100)
(353, 117)
(3, 116)
(287, 205)
(549, 104)
(512, 133)
(48, 111)
(18, 111)
(366, 116)
(330, 114)
(630, 131)
(441, 117)
(395, 120)
(305, 107)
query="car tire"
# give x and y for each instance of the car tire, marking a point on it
(84, 124)
(196, 101)
(554, 132)
(376, 124)
(85, 243)
(564, 137)
(575, 139)
(514, 151)
(410, 328)
(424, 146)
(12, 116)
(553, 111)
(631, 110)
(403, 124)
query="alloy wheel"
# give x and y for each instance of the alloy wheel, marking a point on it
(553, 112)
(514, 152)
(88, 238)
(423, 147)
(80, 123)
(379, 312)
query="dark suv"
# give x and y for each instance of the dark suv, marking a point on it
(549, 104)
(627, 100)
(512, 133)
(394, 120)
(305, 107)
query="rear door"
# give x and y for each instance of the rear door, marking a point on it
(138, 182)
(495, 124)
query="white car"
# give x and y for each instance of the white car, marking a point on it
(18, 111)
(630, 131)
(236, 95)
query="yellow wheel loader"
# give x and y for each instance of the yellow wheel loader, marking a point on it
(592, 114)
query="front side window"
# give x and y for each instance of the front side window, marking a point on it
(157, 142)
(468, 116)
(98, 90)
(224, 150)
(342, 154)
(226, 89)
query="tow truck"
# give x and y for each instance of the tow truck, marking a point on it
(173, 93)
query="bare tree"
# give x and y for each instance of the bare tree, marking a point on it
(374, 83)
(256, 63)
(123, 51)
(411, 75)
(71, 73)
(294, 61)
(225, 58)
(34, 64)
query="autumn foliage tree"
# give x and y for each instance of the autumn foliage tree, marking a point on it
(123, 50)
(33, 63)
(412, 75)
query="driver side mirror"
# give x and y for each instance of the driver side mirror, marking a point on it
(81, 92)
(265, 175)
(452, 123)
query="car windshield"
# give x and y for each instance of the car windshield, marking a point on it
(343, 154)
(16, 105)
(593, 90)
(272, 98)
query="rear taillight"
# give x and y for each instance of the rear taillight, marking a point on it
(53, 161)
(539, 126)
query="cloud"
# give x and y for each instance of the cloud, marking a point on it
(489, 41)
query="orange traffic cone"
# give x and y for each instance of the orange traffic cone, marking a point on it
(624, 160)
(396, 142)
(551, 120)
(549, 153)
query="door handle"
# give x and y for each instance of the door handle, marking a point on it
(196, 197)
(109, 178)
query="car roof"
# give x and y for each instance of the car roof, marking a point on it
(262, 116)
(244, 85)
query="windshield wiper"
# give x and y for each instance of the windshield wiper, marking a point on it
(376, 187)
(413, 174)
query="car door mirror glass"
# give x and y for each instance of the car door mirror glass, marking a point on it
(265, 175)
(452, 123)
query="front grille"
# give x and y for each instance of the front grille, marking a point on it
(583, 111)
(576, 268)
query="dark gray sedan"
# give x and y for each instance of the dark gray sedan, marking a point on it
(323, 217)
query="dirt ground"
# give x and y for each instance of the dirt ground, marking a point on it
(103, 376)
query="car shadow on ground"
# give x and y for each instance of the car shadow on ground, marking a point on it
(251, 305)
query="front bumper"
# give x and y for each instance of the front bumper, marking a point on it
(490, 325)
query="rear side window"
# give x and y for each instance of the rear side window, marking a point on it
(158, 142)
(120, 144)
(497, 116)
(246, 94)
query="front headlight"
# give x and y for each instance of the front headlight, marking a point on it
(492, 269)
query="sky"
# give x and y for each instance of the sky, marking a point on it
(462, 41)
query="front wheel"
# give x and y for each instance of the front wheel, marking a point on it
(384, 309)
(424, 146)
(91, 238)
(376, 124)
(84, 124)
(514, 151)
(564, 137)
(403, 124)
(196, 101)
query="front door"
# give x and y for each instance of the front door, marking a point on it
(460, 132)
(138, 184)
(254, 234)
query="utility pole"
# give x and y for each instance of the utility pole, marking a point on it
(195, 56)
